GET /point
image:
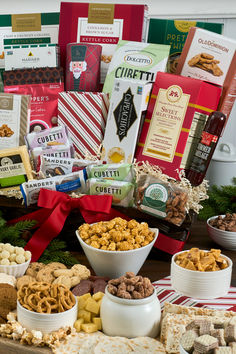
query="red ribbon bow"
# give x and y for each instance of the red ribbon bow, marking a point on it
(56, 206)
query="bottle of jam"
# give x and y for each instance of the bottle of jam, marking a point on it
(206, 147)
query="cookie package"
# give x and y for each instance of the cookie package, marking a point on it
(210, 57)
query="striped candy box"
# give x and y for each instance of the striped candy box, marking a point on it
(84, 114)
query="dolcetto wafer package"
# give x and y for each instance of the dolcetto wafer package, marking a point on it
(74, 182)
(122, 192)
(136, 61)
(83, 67)
(48, 137)
(117, 172)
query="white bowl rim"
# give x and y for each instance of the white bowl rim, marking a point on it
(156, 230)
(15, 265)
(45, 314)
(230, 264)
(132, 301)
(216, 228)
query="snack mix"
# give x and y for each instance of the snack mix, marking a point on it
(203, 261)
(225, 223)
(117, 234)
(10, 255)
(130, 286)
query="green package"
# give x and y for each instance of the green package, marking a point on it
(136, 61)
(174, 33)
(117, 172)
(122, 192)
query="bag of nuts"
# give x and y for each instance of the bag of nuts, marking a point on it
(165, 200)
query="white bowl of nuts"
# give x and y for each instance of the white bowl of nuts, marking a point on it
(201, 274)
(222, 230)
(116, 246)
(13, 260)
(130, 307)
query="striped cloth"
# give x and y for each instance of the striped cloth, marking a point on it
(84, 114)
(166, 293)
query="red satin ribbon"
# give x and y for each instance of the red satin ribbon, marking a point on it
(168, 244)
(56, 207)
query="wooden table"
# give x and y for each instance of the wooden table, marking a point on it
(156, 266)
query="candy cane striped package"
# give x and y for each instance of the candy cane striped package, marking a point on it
(85, 115)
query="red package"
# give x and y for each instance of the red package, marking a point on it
(103, 24)
(43, 85)
(83, 67)
(176, 102)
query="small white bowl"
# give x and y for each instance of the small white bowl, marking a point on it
(16, 270)
(45, 322)
(226, 239)
(130, 318)
(201, 285)
(114, 264)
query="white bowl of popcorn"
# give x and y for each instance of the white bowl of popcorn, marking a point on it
(14, 260)
(109, 260)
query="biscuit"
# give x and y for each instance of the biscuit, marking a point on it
(194, 60)
(25, 279)
(4, 311)
(46, 274)
(34, 268)
(56, 265)
(207, 56)
(65, 272)
(8, 296)
(64, 280)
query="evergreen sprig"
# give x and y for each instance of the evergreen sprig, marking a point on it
(221, 200)
(55, 252)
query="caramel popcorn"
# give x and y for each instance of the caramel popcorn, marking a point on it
(117, 234)
(203, 261)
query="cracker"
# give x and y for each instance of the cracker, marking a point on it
(114, 345)
(146, 345)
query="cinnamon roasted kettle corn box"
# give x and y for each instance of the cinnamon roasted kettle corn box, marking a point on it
(128, 105)
(174, 121)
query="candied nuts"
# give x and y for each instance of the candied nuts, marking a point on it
(225, 223)
(130, 286)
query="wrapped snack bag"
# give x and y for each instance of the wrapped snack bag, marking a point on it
(117, 172)
(48, 137)
(57, 151)
(162, 199)
(122, 192)
(66, 183)
(54, 166)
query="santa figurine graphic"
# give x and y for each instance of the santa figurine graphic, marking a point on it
(77, 64)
